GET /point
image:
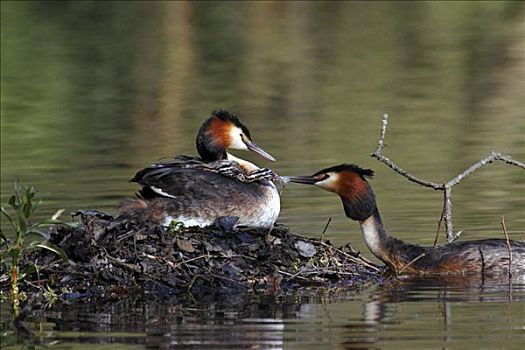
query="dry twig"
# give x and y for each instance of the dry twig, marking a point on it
(446, 187)
(508, 244)
(325, 228)
(410, 263)
(438, 229)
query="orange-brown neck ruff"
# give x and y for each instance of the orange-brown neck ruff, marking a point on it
(219, 131)
(213, 139)
(357, 195)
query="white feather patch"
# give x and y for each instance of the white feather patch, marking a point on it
(188, 222)
(247, 166)
(161, 192)
(236, 141)
(330, 183)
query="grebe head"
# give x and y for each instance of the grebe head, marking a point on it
(349, 182)
(222, 130)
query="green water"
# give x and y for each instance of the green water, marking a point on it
(93, 91)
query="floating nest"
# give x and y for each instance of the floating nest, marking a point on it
(109, 257)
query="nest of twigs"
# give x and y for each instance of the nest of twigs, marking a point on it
(110, 257)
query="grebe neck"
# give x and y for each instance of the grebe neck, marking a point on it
(392, 251)
(360, 205)
(376, 237)
(210, 152)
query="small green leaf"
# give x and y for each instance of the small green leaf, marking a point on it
(37, 232)
(12, 201)
(15, 253)
(176, 227)
(27, 209)
(22, 225)
(3, 237)
(32, 245)
(48, 222)
(8, 216)
(17, 187)
(54, 248)
(72, 224)
(29, 269)
(10, 219)
(6, 259)
(37, 204)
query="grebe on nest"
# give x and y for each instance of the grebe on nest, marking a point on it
(349, 182)
(200, 191)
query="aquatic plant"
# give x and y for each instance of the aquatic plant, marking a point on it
(24, 202)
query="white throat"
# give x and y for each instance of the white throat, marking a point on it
(372, 234)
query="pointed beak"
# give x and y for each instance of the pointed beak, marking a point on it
(256, 149)
(308, 180)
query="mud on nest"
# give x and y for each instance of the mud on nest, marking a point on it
(113, 258)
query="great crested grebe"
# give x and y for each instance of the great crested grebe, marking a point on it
(199, 191)
(349, 182)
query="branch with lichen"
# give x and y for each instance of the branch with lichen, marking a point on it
(446, 187)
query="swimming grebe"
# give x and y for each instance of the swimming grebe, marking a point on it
(198, 191)
(349, 182)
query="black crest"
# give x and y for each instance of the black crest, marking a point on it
(363, 173)
(227, 116)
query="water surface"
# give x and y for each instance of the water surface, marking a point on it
(91, 92)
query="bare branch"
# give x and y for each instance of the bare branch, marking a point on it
(446, 187)
(447, 215)
(491, 157)
(378, 153)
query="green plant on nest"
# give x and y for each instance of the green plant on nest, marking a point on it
(50, 295)
(28, 236)
(176, 227)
